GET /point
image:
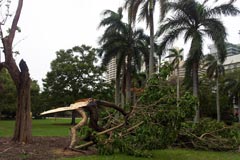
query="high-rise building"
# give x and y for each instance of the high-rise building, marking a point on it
(111, 70)
(232, 49)
(232, 60)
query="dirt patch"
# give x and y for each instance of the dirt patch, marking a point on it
(42, 148)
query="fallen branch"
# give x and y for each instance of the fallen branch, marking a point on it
(98, 134)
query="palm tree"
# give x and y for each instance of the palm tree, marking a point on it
(177, 56)
(146, 13)
(125, 44)
(194, 20)
(215, 70)
(114, 23)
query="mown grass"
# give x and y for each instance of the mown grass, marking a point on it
(41, 127)
(169, 154)
(60, 127)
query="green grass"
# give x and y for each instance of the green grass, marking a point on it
(169, 154)
(43, 127)
(60, 127)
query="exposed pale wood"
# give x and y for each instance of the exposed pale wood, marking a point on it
(78, 126)
(69, 108)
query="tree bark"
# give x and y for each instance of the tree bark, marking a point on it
(195, 91)
(151, 24)
(23, 125)
(128, 80)
(217, 101)
(178, 87)
(238, 109)
(117, 84)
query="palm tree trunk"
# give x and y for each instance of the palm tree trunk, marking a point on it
(151, 24)
(178, 86)
(123, 85)
(239, 109)
(117, 89)
(128, 80)
(195, 90)
(217, 101)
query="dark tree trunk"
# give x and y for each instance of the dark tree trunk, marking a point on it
(117, 83)
(73, 121)
(151, 24)
(195, 90)
(128, 80)
(23, 125)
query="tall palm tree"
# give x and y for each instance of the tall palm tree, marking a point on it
(146, 13)
(214, 70)
(127, 45)
(113, 21)
(177, 56)
(194, 20)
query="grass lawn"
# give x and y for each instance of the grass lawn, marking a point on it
(60, 127)
(170, 154)
(41, 127)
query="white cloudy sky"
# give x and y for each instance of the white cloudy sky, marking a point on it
(50, 25)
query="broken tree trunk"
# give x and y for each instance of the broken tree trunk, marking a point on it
(23, 125)
(78, 126)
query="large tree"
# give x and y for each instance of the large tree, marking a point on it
(75, 75)
(146, 13)
(19, 75)
(194, 20)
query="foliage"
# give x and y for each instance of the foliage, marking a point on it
(209, 135)
(8, 94)
(207, 98)
(74, 75)
(193, 20)
(153, 124)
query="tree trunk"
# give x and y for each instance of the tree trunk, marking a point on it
(178, 86)
(128, 80)
(23, 125)
(123, 86)
(238, 109)
(195, 90)
(22, 81)
(217, 101)
(73, 121)
(151, 24)
(117, 88)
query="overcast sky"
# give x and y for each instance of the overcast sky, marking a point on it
(50, 25)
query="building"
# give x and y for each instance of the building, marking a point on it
(111, 70)
(232, 60)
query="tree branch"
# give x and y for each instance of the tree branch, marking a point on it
(15, 22)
